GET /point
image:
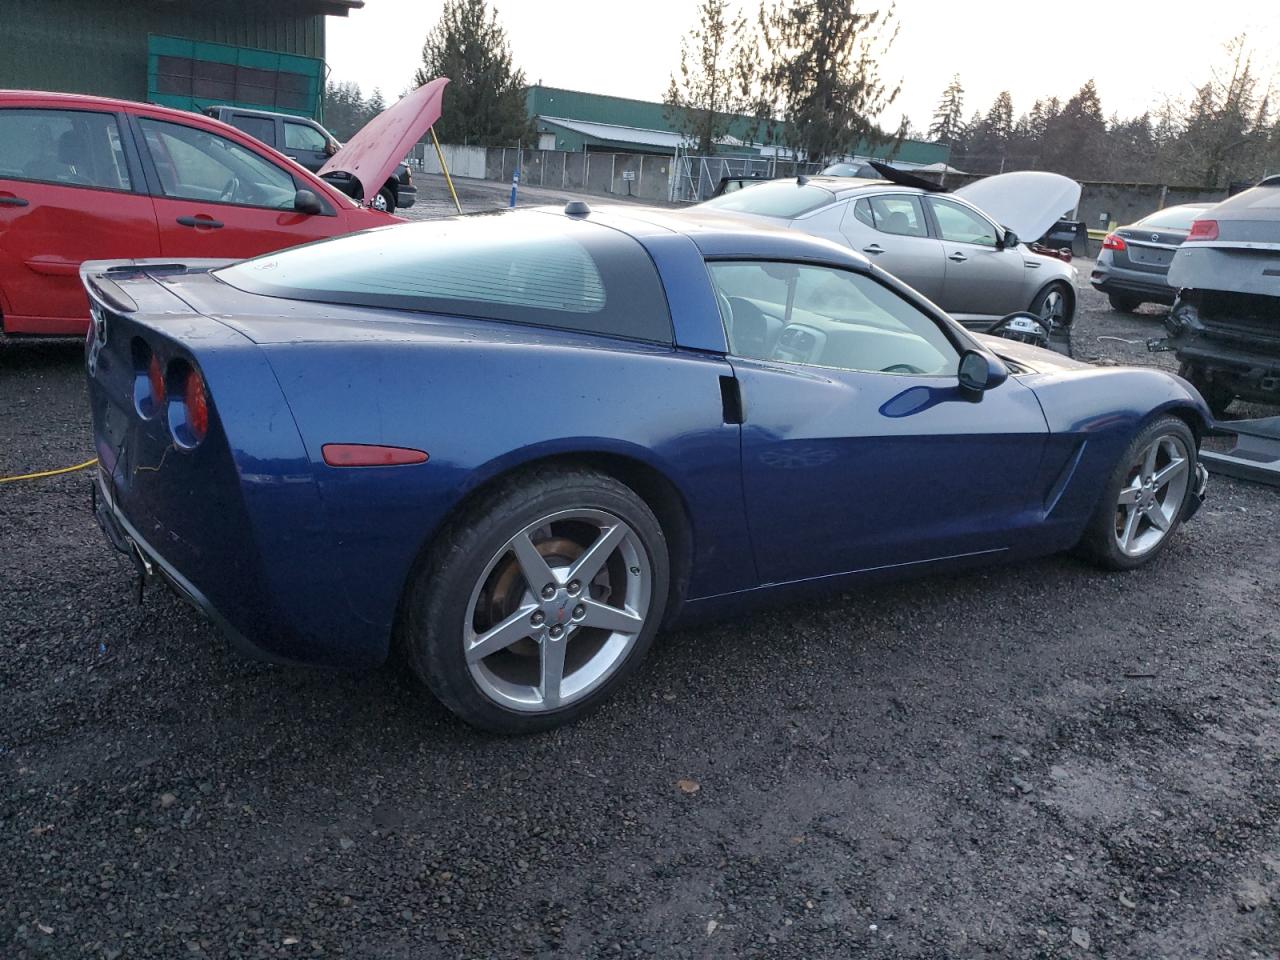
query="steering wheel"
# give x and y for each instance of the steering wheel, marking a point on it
(902, 368)
(231, 189)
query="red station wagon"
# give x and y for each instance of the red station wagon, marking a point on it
(90, 178)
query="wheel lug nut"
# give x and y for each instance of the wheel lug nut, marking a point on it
(548, 591)
(557, 632)
(538, 618)
(579, 612)
(574, 587)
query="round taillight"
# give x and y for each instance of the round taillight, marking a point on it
(155, 377)
(197, 404)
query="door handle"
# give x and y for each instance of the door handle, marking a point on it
(207, 223)
(874, 249)
(12, 202)
(958, 257)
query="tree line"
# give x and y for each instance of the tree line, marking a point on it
(1229, 132)
(806, 73)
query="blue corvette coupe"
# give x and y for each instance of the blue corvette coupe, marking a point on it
(514, 446)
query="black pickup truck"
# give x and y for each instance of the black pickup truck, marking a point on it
(304, 140)
(1225, 325)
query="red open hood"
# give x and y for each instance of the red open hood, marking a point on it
(373, 153)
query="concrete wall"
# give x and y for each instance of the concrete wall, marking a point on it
(462, 161)
(603, 173)
(1102, 204)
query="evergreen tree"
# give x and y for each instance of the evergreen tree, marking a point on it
(485, 100)
(824, 76)
(948, 118)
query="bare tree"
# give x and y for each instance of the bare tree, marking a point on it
(716, 76)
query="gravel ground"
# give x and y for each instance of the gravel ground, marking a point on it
(1033, 761)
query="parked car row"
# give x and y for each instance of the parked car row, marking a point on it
(88, 177)
(311, 145)
(1218, 267)
(964, 256)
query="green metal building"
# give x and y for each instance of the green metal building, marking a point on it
(576, 121)
(253, 50)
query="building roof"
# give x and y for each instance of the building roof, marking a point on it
(635, 124)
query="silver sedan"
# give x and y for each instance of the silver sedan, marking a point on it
(947, 248)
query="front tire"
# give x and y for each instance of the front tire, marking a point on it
(1145, 497)
(538, 601)
(385, 201)
(1055, 303)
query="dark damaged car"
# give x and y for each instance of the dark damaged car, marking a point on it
(1225, 325)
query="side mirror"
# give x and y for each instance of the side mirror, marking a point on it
(305, 201)
(980, 372)
(330, 148)
(1010, 240)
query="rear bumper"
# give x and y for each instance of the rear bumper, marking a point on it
(1151, 287)
(406, 194)
(151, 565)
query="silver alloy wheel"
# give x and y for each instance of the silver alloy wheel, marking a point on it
(1152, 495)
(557, 610)
(1054, 307)
(379, 202)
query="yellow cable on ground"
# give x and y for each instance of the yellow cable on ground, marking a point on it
(49, 473)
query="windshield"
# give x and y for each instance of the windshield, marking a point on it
(1175, 218)
(786, 199)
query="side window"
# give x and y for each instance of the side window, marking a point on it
(73, 147)
(546, 271)
(198, 165)
(825, 317)
(260, 128)
(862, 213)
(300, 136)
(900, 215)
(959, 224)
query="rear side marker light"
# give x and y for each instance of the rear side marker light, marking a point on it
(1113, 242)
(1204, 230)
(370, 455)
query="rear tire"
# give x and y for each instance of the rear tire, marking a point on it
(1142, 504)
(514, 656)
(1217, 396)
(1124, 303)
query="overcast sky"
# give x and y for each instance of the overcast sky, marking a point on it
(1139, 51)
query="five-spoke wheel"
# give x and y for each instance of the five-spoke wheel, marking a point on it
(538, 599)
(1152, 498)
(1145, 498)
(557, 609)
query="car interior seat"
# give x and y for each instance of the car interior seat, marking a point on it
(897, 222)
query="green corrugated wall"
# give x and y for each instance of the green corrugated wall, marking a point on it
(100, 46)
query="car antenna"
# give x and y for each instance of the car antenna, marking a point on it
(801, 180)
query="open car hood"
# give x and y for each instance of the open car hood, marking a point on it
(373, 154)
(1028, 202)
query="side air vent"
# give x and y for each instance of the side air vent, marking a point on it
(731, 399)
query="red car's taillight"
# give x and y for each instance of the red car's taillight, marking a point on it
(1113, 242)
(1204, 230)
